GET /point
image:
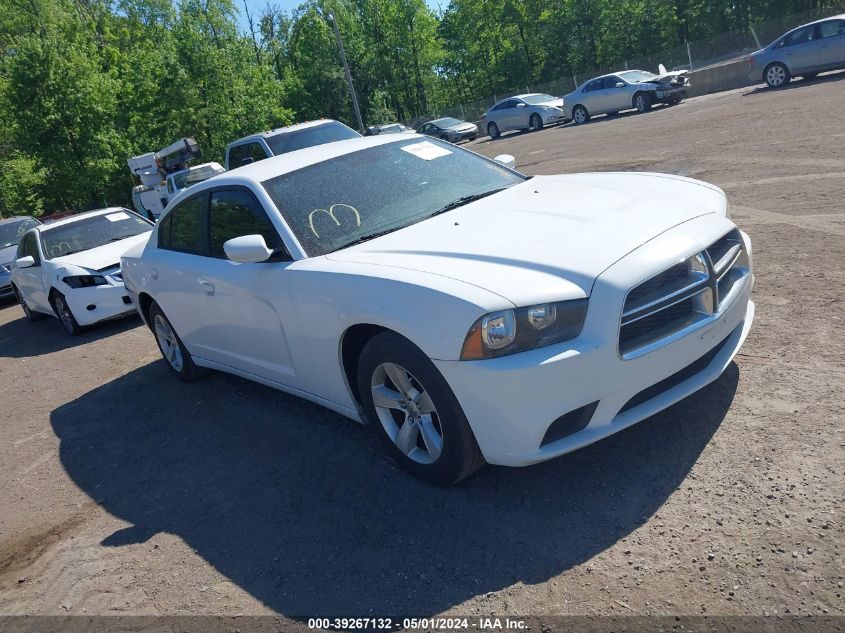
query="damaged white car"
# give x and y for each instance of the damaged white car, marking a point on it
(626, 90)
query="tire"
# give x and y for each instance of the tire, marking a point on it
(493, 130)
(64, 314)
(642, 102)
(439, 446)
(535, 123)
(174, 352)
(777, 75)
(445, 137)
(580, 115)
(32, 316)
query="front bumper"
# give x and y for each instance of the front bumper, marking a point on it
(109, 302)
(672, 93)
(552, 118)
(511, 402)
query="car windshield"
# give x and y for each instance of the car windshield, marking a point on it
(349, 198)
(635, 76)
(535, 99)
(195, 175)
(91, 232)
(447, 122)
(12, 232)
(309, 137)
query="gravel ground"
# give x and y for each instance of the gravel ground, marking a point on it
(123, 491)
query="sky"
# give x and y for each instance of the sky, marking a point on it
(255, 6)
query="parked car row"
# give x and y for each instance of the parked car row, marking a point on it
(366, 275)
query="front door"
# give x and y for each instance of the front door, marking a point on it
(29, 280)
(832, 44)
(801, 50)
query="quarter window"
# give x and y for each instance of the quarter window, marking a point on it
(235, 214)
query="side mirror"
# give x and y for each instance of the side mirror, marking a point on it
(247, 161)
(520, 105)
(619, 84)
(247, 249)
(25, 262)
(507, 160)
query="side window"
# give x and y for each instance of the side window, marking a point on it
(29, 246)
(801, 36)
(236, 155)
(234, 214)
(593, 85)
(610, 82)
(187, 232)
(832, 28)
(256, 152)
(163, 232)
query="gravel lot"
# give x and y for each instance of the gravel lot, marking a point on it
(124, 491)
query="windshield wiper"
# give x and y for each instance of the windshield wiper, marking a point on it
(466, 200)
(122, 237)
(367, 238)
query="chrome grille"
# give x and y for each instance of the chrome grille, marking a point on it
(685, 294)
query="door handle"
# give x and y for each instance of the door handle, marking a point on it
(207, 286)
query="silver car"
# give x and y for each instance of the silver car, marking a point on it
(638, 89)
(805, 51)
(522, 112)
(450, 129)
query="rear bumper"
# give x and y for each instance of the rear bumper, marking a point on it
(512, 402)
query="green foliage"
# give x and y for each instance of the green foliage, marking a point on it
(85, 84)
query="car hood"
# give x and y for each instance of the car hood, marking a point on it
(547, 238)
(462, 127)
(7, 254)
(554, 103)
(102, 257)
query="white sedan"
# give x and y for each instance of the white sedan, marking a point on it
(470, 313)
(70, 269)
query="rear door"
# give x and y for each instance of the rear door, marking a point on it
(506, 114)
(800, 49)
(832, 43)
(591, 97)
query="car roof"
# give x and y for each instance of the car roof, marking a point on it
(15, 218)
(79, 216)
(531, 94)
(841, 16)
(282, 130)
(273, 166)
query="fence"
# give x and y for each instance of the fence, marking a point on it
(699, 55)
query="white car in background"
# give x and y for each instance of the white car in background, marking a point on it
(70, 269)
(468, 312)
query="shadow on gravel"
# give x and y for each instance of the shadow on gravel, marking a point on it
(298, 506)
(23, 338)
(796, 84)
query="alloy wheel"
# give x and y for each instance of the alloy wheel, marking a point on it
(776, 75)
(580, 115)
(407, 413)
(64, 313)
(168, 343)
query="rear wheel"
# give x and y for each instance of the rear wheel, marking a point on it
(32, 316)
(535, 123)
(493, 130)
(580, 114)
(175, 353)
(777, 75)
(642, 102)
(414, 411)
(64, 313)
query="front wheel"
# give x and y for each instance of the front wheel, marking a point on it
(64, 313)
(580, 115)
(642, 102)
(777, 75)
(414, 411)
(175, 353)
(535, 123)
(493, 130)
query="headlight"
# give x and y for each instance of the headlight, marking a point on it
(85, 281)
(511, 331)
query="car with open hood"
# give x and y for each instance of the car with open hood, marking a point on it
(466, 311)
(625, 90)
(70, 268)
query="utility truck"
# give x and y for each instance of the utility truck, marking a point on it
(165, 173)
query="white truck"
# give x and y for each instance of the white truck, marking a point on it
(166, 172)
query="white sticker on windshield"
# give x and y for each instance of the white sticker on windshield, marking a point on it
(116, 217)
(426, 150)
